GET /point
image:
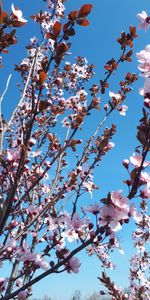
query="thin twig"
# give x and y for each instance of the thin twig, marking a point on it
(1, 121)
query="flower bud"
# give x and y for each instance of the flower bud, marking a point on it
(126, 163)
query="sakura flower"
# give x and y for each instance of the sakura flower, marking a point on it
(112, 216)
(137, 159)
(95, 209)
(116, 96)
(147, 102)
(126, 163)
(146, 191)
(35, 153)
(22, 295)
(122, 110)
(145, 92)
(32, 141)
(110, 145)
(13, 155)
(144, 20)
(37, 260)
(77, 223)
(19, 282)
(143, 58)
(106, 106)
(145, 177)
(18, 14)
(71, 235)
(73, 265)
(12, 245)
(133, 212)
(118, 246)
(34, 40)
(119, 201)
(40, 262)
(32, 210)
(26, 62)
(89, 185)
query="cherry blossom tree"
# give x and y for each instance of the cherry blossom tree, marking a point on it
(41, 213)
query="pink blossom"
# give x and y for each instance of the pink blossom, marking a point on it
(35, 258)
(35, 153)
(34, 41)
(73, 265)
(79, 169)
(40, 262)
(24, 254)
(47, 163)
(77, 223)
(116, 96)
(144, 20)
(71, 235)
(106, 106)
(136, 160)
(110, 145)
(119, 201)
(32, 142)
(147, 102)
(19, 282)
(143, 58)
(126, 163)
(13, 155)
(12, 244)
(117, 244)
(18, 14)
(112, 216)
(145, 92)
(95, 209)
(32, 210)
(22, 295)
(133, 212)
(146, 191)
(89, 185)
(145, 177)
(122, 110)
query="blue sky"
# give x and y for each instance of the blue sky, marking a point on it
(98, 44)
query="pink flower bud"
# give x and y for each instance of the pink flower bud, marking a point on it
(106, 106)
(32, 142)
(79, 169)
(147, 102)
(126, 163)
(111, 145)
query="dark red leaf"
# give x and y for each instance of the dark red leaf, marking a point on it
(3, 15)
(49, 35)
(18, 24)
(4, 51)
(71, 32)
(72, 15)
(56, 29)
(83, 22)
(62, 47)
(84, 11)
(43, 105)
(42, 77)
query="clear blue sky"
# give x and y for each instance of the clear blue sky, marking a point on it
(98, 44)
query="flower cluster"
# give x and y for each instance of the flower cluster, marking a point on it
(143, 58)
(47, 167)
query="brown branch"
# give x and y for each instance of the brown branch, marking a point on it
(53, 269)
